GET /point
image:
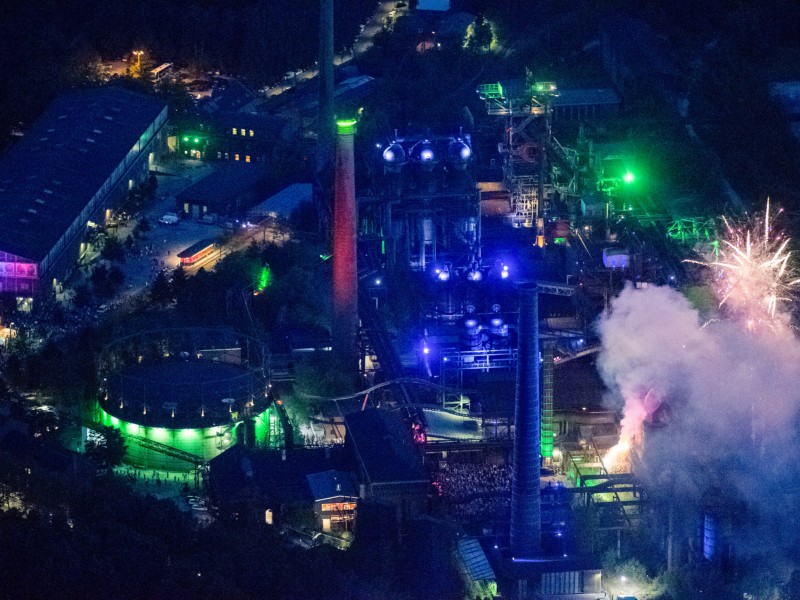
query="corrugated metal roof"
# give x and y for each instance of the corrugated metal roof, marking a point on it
(50, 176)
(474, 559)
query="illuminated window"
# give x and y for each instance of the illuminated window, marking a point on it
(251, 133)
(244, 132)
(235, 131)
(236, 157)
(219, 155)
(247, 158)
(227, 157)
(338, 506)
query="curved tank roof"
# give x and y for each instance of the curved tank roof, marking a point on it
(459, 152)
(394, 154)
(424, 153)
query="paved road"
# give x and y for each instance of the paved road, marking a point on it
(363, 42)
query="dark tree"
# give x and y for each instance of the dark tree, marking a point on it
(113, 250)
(116, 276)
(109, 450)
(178, 281)
(83, 296)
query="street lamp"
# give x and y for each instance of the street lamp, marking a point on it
(137, 71)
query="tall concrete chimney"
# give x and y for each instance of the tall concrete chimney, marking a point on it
(526, 510)
(345, 269)
(325, 125)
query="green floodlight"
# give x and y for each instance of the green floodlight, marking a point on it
(263, 278)
(346, 126)
(185, 139)
(196, 140)
(628, 177)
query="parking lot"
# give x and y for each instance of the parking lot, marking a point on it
(159, 248)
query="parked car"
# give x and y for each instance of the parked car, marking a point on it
(169, 219)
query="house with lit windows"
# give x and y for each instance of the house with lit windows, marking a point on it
(65, 177)
(242, 138)
(335, 496)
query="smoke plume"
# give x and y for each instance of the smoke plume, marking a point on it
(716, 406)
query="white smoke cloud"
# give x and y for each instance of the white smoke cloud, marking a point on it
(732, 397)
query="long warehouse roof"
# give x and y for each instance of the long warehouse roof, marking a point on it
(51, 175)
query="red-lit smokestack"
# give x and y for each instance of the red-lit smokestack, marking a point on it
(345, 270)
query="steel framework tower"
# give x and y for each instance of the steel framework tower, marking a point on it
(548, 348)
(528, 135)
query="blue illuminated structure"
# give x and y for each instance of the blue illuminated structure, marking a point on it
(526, 521)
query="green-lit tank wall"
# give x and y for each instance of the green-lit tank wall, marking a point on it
(206, 442)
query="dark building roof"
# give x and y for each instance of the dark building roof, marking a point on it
(230, 96)
(285, 202)
(635, 45)
(224, 186)
(384, 446)
(330, 484)
(226, 121)
(586, 97)
(51, 175)
(268, 474)
(52, 458)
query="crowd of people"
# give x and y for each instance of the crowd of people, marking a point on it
(475, 490)
(496, 507)
(460, 481)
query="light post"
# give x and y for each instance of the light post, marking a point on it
(138, 55)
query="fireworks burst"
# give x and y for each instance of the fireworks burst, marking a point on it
(753, 272)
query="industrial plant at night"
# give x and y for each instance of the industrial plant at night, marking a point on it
(337, 299)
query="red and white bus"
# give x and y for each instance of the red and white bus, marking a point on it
(197, 252)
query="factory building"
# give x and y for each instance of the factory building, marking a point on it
(390, 463)
(222, 193)
(72, 168)
(424, 209)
